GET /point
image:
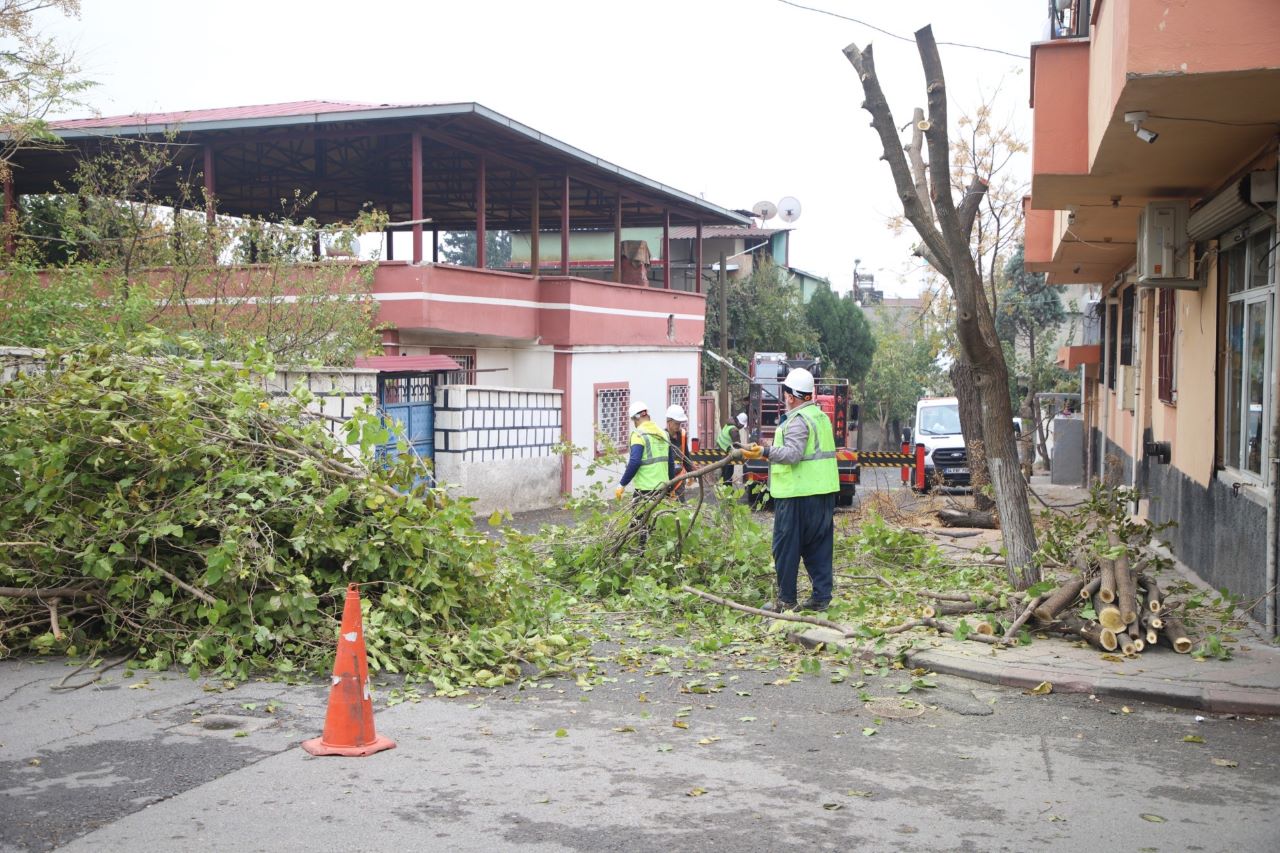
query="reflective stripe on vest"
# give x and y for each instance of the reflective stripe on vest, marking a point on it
(656, 449)
(816, 473)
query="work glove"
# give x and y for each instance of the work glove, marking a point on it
(617, 493)
(754, 451)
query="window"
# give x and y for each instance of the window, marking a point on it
(612, 402)
(678, 393)
(1109, 349)
(466, 359)
(1126, 325)
(1249, 268)
(1167, 319)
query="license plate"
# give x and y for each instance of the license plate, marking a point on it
(955, 470)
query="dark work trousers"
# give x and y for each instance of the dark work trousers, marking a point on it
(803, 528)
(726, 474)
(639, 496)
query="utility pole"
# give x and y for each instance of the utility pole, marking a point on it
(723, 290)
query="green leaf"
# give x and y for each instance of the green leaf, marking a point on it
(562, 733)
(1152, 818)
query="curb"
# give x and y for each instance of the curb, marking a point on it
(1214, 698)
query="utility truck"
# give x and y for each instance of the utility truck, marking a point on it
(766, 408)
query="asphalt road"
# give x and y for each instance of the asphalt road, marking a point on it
(121, 766)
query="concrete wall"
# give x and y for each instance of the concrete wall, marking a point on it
(495, 444)
(1220, 531)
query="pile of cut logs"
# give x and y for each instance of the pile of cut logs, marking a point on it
(1115, 608)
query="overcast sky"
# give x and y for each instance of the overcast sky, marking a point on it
(737, 100)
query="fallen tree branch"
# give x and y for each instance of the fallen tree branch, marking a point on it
(1022, 620)
(756, 611)
(50, 592)
(959, 534)
(180, 583)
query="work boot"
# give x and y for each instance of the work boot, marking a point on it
(779, 606)
(811, 604)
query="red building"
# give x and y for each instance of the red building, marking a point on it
(558, 356)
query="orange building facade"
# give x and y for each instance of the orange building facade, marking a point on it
(1155, 163)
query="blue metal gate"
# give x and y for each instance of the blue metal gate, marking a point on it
(408, 412)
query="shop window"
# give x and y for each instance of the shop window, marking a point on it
(1250, 270)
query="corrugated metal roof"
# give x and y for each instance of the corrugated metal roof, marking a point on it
(688, 232)
(193, 123)
(408, 363)
(291, 108)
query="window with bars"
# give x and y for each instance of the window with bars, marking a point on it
(1167, 319)
(466, 359)
(678, 395)
(612, 402)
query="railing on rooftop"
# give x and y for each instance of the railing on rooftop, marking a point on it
(1069, 19)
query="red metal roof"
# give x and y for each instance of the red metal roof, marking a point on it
(408, 363)
(292, 108)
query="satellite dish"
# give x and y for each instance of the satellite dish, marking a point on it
(789, 209)
(764, 210)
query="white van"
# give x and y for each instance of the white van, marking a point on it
(937, 427)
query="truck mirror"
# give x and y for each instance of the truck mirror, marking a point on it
(853, 411)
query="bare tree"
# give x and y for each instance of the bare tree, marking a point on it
(947, 235)
(36, 76)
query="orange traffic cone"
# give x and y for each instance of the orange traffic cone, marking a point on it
(348, 726)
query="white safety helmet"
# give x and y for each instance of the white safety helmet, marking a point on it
(799, 381)
(675, 412)
(639, 408)
(742, 419)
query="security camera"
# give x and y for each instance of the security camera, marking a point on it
(1147, 136)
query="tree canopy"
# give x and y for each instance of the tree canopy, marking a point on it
(843, 333)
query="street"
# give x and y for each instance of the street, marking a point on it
(121, 766)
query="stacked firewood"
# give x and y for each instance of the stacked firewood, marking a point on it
(1129, 610)
(1113, 606)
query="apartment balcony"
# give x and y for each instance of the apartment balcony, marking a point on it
(558, 310)
(1207, 76)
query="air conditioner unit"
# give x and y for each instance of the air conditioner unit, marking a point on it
(1164, 252)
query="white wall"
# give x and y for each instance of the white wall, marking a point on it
(645, 371)
(495, 444)
(526, 367)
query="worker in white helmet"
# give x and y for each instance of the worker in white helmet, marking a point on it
(678, 461)
(803, 482)
(650, 452)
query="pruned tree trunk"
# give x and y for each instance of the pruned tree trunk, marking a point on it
(946, 236)
(970, 407)
(1107, 588)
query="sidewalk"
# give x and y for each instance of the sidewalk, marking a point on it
(1248, 683)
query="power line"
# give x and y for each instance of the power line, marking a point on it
(898, 37)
